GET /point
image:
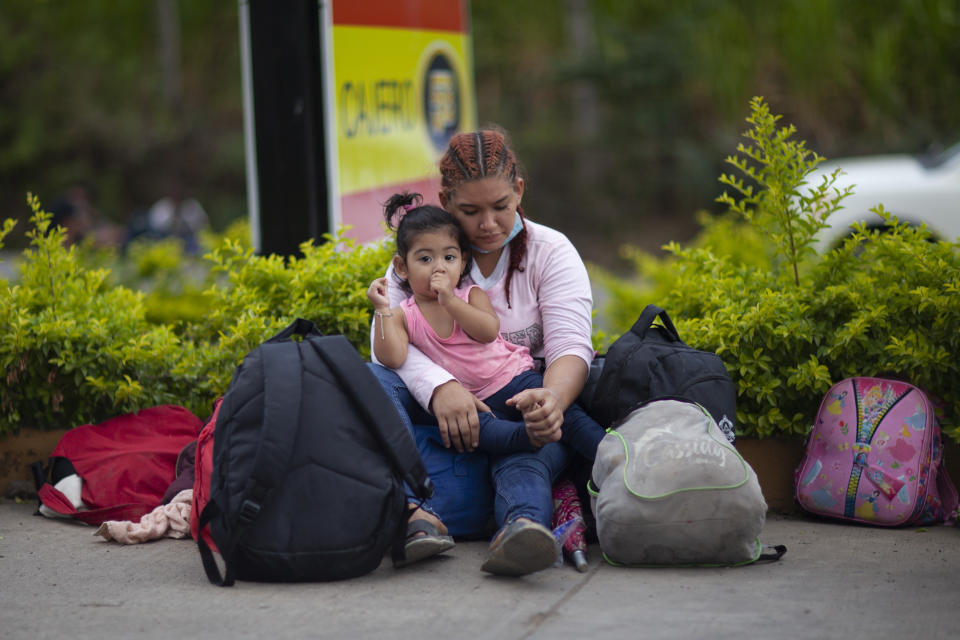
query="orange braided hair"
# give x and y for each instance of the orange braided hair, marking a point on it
(483, 154)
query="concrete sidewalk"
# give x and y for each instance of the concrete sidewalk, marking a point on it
(836, 581)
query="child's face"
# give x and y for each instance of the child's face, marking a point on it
(431, 252)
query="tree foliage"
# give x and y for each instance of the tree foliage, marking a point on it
(86, 98)
(622, 112)
(670, 81)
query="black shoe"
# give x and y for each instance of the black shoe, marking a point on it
(524, 547)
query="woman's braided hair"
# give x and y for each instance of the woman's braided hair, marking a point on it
(483, 154)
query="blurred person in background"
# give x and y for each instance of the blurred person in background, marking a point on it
(76, 213)
(175, 215)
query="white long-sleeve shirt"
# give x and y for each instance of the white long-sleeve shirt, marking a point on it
(550, 307)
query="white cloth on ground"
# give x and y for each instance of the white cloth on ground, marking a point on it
(171, 520)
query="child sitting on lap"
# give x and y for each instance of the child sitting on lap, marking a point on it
(459, 330)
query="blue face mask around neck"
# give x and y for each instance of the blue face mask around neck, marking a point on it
(517, 227)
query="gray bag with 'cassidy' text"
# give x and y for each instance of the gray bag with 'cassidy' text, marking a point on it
(668, 489)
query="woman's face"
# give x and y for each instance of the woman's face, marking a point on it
(485, 209)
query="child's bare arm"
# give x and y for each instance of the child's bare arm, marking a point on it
(390, 338)
(477, 318)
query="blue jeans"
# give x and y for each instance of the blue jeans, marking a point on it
(504, 431)
(476, 492)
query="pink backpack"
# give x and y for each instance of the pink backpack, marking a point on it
(874, 455)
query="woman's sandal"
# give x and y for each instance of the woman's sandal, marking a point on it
(423, 541)
(523, 547)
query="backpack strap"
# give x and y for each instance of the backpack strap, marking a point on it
(381, 417)
(648, 316)
(211, 511)
(771, 552)
(299, 327)
(281, 410)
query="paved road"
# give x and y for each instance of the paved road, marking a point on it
(836, 581)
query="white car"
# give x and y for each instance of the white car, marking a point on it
(918, 190)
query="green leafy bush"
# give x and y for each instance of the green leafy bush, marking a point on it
(260, 295)
(174, 282)
(655, 277)
(790, 324)
(76, 348)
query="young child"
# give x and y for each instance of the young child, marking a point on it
(458, 329)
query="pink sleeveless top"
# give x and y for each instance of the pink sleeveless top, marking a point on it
(483, 369)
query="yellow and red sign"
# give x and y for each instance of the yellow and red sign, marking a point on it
(401, 85)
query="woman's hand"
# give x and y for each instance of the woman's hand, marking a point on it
(543, 408)
(456, 412)
(542, 414)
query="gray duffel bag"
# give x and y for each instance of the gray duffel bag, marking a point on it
(668, 489)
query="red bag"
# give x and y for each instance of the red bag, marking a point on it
(201, 481)
(126, 464)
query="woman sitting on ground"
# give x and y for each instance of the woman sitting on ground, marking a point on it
(538, 286)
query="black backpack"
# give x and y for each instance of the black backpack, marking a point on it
(309, 461)
(651, 361)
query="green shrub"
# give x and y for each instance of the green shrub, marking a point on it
(260, 295)
(174, 282)
(790, 324)
(77, 348)
(654, 278)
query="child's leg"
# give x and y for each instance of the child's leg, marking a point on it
(502, 437)
(503, 432)
(581, 432)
